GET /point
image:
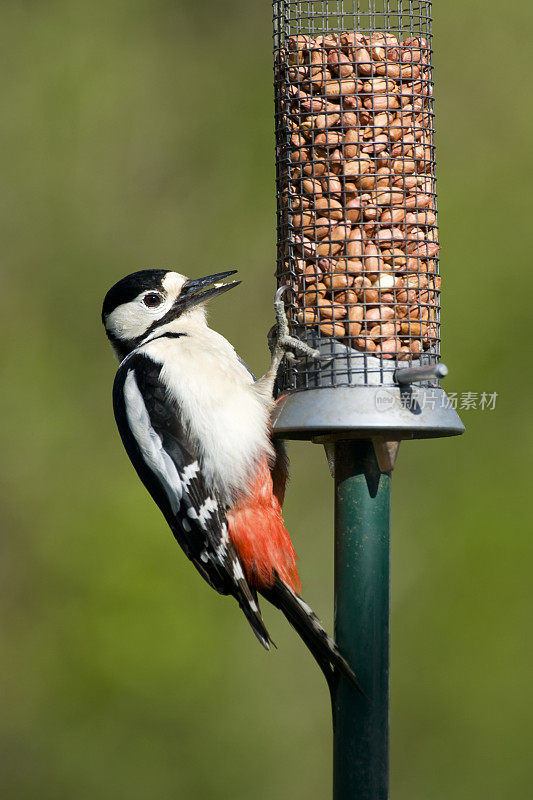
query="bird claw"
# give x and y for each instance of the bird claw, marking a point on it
(325, 360)
(288, 343)
(283, 339)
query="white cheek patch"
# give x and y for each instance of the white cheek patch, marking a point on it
(132, 320)
(129, 320)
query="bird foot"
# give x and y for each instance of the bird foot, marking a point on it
(285, 345)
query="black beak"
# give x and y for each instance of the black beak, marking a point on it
(192, 293)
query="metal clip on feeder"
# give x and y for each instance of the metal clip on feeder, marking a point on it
(357, 245)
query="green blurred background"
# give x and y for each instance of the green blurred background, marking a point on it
(140, 134)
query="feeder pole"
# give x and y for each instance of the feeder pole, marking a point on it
(362, 544)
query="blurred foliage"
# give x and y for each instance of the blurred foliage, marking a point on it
(140, 134)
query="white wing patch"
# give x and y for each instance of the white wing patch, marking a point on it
(238, 574)
(204, 512)
(150, 442)
(189, 472)
(206, 509)
(222, 547)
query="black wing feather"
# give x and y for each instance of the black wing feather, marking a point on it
(167, 463)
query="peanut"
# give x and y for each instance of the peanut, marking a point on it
(357, 166)
(313, 295)
(353, 209)
(363, 343)
(380, 314)
(354, 266)
(363, 62)
(340, 64)
(322, 227)
(349, 298)
(328, 248)
(371, 258)
(337, 281)
(306, 316)
(336, 88)
(382, 331)
(389, 347)
(335, 329)
(394, 216)
(329, 310)
(329, 207)
(328, 139)
(326, 120)
(354, 322)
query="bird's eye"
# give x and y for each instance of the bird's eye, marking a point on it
(152, 300)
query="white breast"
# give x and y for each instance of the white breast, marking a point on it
(223, 414)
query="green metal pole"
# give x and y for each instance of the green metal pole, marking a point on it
(362, 544)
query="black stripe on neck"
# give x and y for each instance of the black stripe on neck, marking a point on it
(169, 335)
(123, 349)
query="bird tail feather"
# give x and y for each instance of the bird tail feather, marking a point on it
(249, 606)
(305, 622)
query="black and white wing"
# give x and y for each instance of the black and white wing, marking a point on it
(166, 461)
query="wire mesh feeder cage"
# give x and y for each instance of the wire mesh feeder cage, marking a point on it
(357, 219)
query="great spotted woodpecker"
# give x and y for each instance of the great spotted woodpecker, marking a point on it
(196, 426)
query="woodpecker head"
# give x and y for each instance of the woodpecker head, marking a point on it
(145, 304)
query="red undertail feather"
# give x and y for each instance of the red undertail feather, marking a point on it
(257, 531)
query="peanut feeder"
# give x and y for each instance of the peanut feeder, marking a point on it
(358, 253)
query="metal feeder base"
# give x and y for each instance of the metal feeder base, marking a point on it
(366, 411)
